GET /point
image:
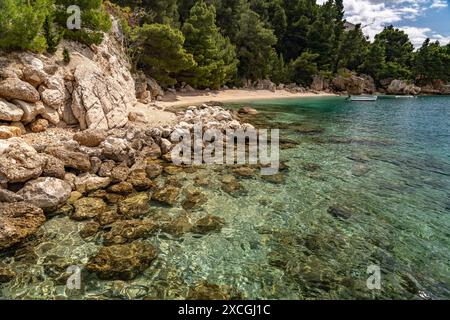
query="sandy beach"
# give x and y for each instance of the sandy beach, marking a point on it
(234, 96)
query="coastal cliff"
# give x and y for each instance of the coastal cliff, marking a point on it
(95, 89)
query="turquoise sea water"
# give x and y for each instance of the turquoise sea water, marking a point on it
(386, 162)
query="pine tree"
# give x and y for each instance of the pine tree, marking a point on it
(52, 36)
(272, 13)
(431, 62)
(305, 67)
(352, 49)
(300, 14)
(158, 50)
(255, 47)
(374, 62)
(214, 54)
(398, 48)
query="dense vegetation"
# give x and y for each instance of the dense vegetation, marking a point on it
(210, 43)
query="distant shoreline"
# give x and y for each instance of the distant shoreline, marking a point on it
(245, 95)
(235, 95)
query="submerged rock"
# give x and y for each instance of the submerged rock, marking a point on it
(359, 157)
(244, 172)
(122, 262)
(135, 205)
(6, 274)
(194, 199)
(231, 185)
(208, 291)
(360, 170)
(167, 195)
(90, 229)
(308, 129)
(121, 188)
(18, 221)
(177, 226)
(107, 217)
(138, 178)
(312, 167)
(208, 224)
(340, 212)
(46, 193)
(128, 231)
(248, 111)
(278, 178)
(56, 268)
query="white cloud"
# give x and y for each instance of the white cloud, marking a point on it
(418, 35)
(374, 15)
(439, 4)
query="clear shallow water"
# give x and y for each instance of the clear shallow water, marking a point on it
(279, 241)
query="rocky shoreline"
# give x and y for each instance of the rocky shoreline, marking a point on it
(108, 180)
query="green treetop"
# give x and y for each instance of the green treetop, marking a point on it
(158, 50)
(215, 57)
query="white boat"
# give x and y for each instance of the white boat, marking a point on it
(363, 98)
(405, 97)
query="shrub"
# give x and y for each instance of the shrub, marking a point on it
(21, 24)
(66, 56)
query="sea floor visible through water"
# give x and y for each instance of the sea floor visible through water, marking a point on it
(365, 184)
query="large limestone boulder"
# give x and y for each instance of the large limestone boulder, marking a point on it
(90, 182)
(97, 99)
(354, 84)
(156, 92)
(34, 75)
(265, 85)
(397, 87)
(403, 87)
(51, 115)
(30, 110)
(116, 149)
(319, 83)
(53, 167)
(7, 132)
(369, 84)
(14, 88)
(46, 193)
(19, 162)
(103, 88)
(18, 221)
(9, 196)
(71, 159)
(90, 138)
(412, 89)
(53, 92)
(9, 111)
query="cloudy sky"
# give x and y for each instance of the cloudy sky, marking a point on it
(421, 19)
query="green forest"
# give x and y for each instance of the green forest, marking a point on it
(212, 43)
